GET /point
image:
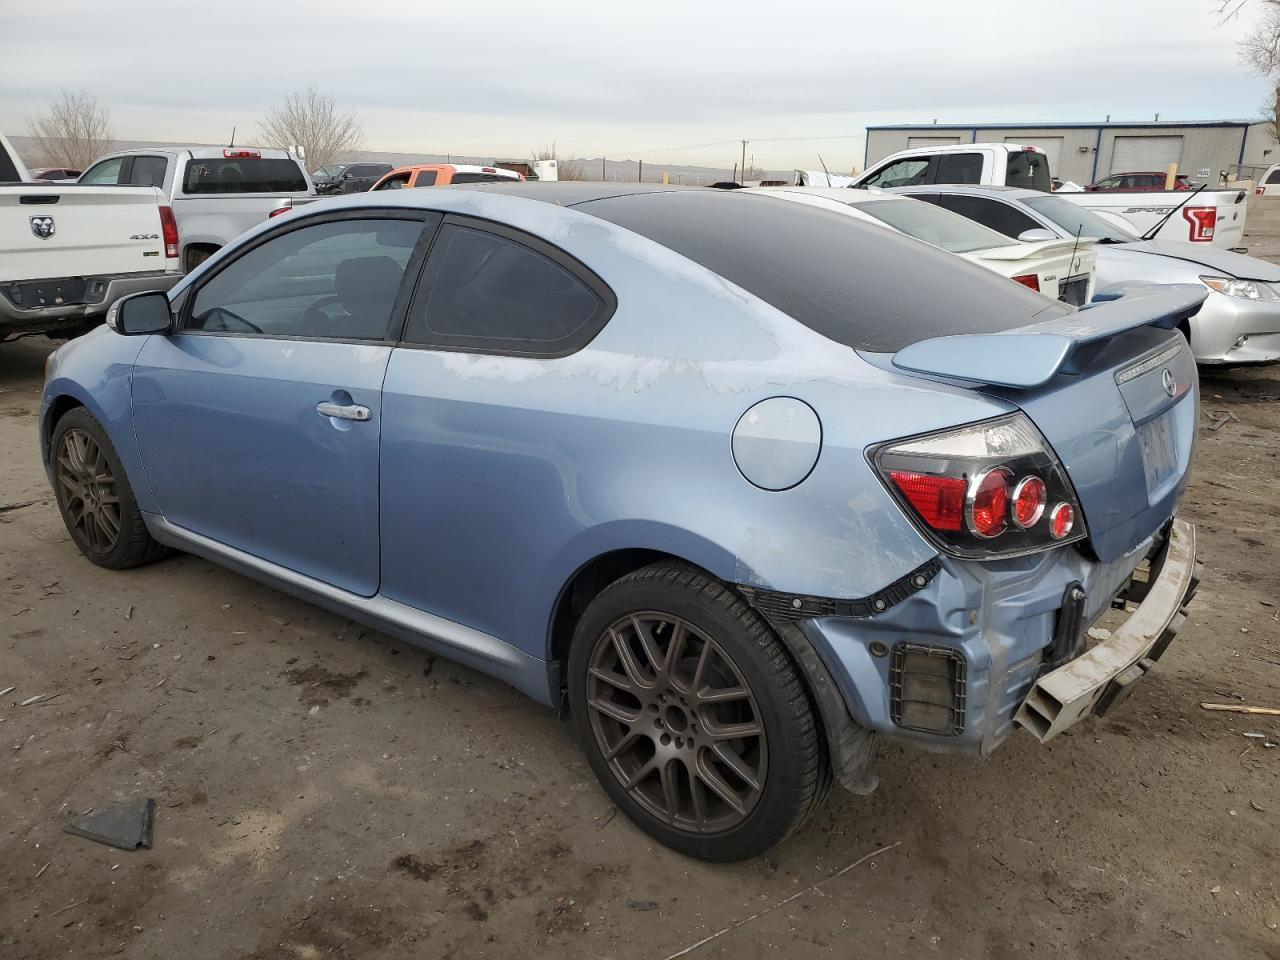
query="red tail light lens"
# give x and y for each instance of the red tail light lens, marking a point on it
(1202, 221)
(1028, 502)
(1061, 521)
(235, 153)
(938, 500)
(169, 232)
(279, 210)
(980, 491)
(988, 507)
(1029, 280)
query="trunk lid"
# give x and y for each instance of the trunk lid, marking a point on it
(1114, 391)
(1064, 269)
(94, 231)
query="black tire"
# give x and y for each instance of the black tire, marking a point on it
(789, 759)
(131, 545)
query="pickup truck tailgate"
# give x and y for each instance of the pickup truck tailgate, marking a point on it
(47, 232)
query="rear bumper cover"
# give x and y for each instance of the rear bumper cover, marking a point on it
(100, 293)
(1104, 675)
(1005, 625)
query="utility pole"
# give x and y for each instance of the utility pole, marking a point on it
(602, 174)
(640, 174)
(743, 175)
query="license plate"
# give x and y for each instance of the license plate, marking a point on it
(1159, 453)
(1072, 290)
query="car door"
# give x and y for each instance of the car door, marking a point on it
(258, 420)
(473, 478)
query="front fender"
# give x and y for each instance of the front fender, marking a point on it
(96, 372)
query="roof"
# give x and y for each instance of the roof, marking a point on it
(567, 193)
(1070, 125)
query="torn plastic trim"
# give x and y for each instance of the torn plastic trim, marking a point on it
(1103, 676)
(849, 745)
(779, 608)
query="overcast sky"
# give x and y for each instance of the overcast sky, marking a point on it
(662, 82)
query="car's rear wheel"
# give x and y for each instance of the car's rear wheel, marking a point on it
(94, 496)
(693, 715)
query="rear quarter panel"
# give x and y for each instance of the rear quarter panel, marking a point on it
(502, 476)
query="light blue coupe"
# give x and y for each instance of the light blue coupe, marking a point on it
(746, 482)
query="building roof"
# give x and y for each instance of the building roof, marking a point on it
(1067, 125)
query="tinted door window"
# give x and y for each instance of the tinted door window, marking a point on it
(425, 178)
(148, 171)
(903, 173)
(493, 293)
(1000, 217)
(108, 171)
(958, 168)
(243, 175)
(336, 280)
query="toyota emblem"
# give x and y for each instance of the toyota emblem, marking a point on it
(1170, 384)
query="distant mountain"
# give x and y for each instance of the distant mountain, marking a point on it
(626, 170)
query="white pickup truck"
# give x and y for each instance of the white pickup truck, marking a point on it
(68, 252)
(217, 193)
(1209, 216)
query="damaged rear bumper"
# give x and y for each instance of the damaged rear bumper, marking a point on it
(1105, 674)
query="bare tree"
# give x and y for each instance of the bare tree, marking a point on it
(312, 121)
(73, 131)
(565, 169)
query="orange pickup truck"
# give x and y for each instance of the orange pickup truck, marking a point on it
(442, 174)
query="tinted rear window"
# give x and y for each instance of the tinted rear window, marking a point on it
(854, 282)
(243, 175)
(1030, 170)
(924, 221)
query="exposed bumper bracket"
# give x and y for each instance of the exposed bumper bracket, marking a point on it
(1102, 677)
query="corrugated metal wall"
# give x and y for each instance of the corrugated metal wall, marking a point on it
(1203, 148)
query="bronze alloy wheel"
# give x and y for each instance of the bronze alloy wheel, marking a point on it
(676, 722)
(87, 488)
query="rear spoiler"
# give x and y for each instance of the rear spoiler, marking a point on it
(1030, 356)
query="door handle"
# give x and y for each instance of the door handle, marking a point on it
(350, 411)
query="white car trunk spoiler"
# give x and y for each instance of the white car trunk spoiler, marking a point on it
(1030, 356)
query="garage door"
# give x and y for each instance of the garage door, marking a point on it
(1052, 146)
(1145, 153)
(914, 142)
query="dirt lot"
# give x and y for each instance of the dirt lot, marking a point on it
(324, 791)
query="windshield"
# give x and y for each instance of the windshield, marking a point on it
(1072, 217)
(924, 221)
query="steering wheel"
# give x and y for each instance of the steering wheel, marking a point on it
(314, 315)
(225, 314)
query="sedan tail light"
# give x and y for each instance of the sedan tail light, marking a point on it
(982, 491)
(1029, 280)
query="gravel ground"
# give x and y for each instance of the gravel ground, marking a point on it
(323, 790)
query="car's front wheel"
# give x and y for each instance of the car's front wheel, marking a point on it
(94, 496)
(693, 716)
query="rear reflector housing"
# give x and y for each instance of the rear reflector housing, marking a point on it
(981, 491)
(927, 689)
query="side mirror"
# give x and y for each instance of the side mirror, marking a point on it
(1036, 235)
(141, 313)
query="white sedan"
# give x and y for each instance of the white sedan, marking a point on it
(1059, 269)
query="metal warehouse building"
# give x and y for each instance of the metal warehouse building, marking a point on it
(1085, 152)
